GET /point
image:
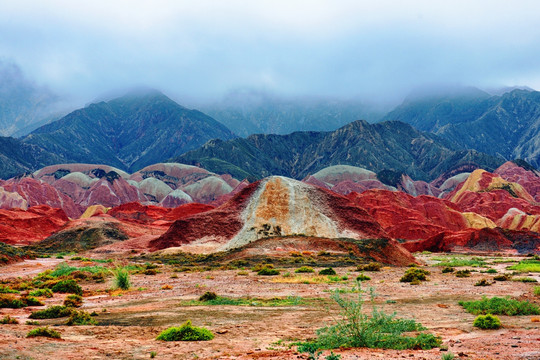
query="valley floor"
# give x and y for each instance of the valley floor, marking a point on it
(129, 321)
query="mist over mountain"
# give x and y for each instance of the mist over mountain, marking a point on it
(23, 104)
(249, 112)
(130, 132)
(506, 126)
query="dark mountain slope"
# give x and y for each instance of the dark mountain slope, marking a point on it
(17, 157)
(130, 132)
(389, 145)
(507, 126)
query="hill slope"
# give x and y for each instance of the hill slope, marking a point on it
(130, 132)
(389, 145)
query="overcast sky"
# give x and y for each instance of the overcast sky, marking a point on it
(202, 49)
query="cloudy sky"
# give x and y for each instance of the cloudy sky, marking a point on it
(203, 49)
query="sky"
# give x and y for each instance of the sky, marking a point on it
(204, 49)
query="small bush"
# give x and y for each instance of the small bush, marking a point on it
(327, 271)
(414, 275)
(208, 296)
(32, 322)
(73, 301)
(525, 280)
(186, 332)
(7, 290)
(121, 278)
(259, 267)
(536, 291)
(504, 277)
(500, 306)
(268, 272)
(372, 266)
(31, 301)
(45, 332)
(8, 320)
(463, 273)
(483, 282)
(41, 293)
(487, 321)
(52, 312)
(150, 272)
(362, 277)
(448, 269)
(491, 271)
(448, 356)
(67, 286)
(81, 317)
(10, 301)
(304, 269)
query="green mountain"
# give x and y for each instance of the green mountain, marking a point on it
(17, 158)
(129, 132)
(507, 126)
(390, 145)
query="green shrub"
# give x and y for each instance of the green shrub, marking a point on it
(414, 275)
(207, 296)
(7, 290)
(372, 266)
(67, 286)
(31, 301)
(487, 321)
(259, 267)
(448, 269)
(491, 271)
(304, 269)
(122, 278)
(266, 271)
(45, 332)
(448, 356)
(500, 306)
(52, 312)
(327, 271)
(503, 277)
(73, 301)
(81, 317)
(8, 320)
(463, 273)
(380, 330)
(10, 301)
(525, 280)
(528, 265)
(536, 291)
(483, 282)
(362, 277)
(186, 332)
(41, 293)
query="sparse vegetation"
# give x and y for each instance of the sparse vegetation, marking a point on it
(527, 265)
(327, 271)
(10, 301)
(362, 277)
(67, 286)
(208, 296)
(448, 356)
(414, 275)
(268, 271)
(186, 332)
(536, 291)
(7, 290)
(122, 278)
(483, 282)
(463, 273)
(41, 293)
(460, 261)
(503, 277)
(380, 330)
(81, 317)
(372, 266)
(44, 332)
(304, 269)
(8, 320)
(52, 312)
(500, 306)
(73, 301)
(487, 322)
(448, 269)
(525, 279)
(247, 301)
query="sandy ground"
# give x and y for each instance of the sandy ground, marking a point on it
(132, 319)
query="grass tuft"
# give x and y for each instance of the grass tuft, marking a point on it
(44, 332)
(500, 306)
(186, 332)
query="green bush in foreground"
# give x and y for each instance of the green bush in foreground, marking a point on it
(52, 312)
(380, 330)
(487, 322)
(304, 269)
(327, 271)
(186, 332)
(7, 290)
(121, 278)
(67, 286)
(73, 301)
(41, 293)
(44, 331)
(10, 301)
(81, 317)
(500, 306)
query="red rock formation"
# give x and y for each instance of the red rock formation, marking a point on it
(404, 216)
(135, 212)
(273, 206)
(187, 210)
(479, 240)
(37, 192)
(529, 179)
(28, 226)
(110, 194)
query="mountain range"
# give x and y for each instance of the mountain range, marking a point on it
(390, 145)
(130, 132)
(506, 126)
